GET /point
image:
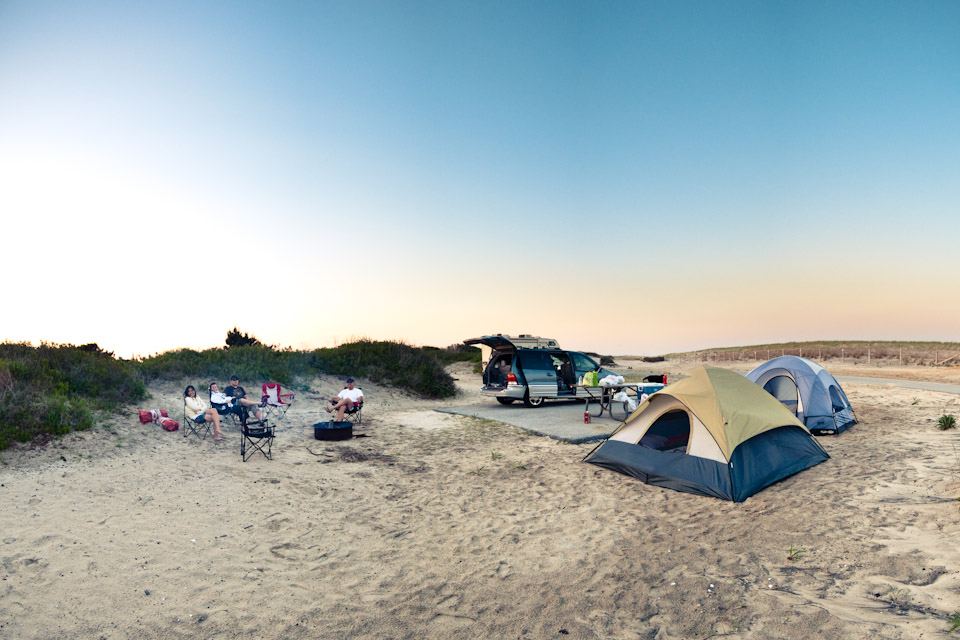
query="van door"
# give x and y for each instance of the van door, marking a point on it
(582, 365)
(538, 372)
(566, 374)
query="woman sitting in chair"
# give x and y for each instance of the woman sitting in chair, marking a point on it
(200, 411)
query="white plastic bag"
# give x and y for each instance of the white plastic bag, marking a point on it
(609, 380)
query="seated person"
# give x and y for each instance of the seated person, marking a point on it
(345, 401)
(200, 413)
(223, 403)
(235, 391)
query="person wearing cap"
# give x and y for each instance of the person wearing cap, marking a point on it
(235, 391)
(345, 400)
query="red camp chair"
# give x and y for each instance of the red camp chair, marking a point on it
(276, 401)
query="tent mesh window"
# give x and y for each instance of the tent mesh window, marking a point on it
(670, 432)
(836, 401)
(784, 389)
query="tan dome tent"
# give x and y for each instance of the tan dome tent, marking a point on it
(714, 433)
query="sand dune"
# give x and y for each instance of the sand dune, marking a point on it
(443, 526)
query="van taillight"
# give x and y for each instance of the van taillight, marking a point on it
(511, 380)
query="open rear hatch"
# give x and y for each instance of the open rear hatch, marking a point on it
(497, 343)
(499, 371)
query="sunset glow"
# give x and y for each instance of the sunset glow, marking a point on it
(630, 178)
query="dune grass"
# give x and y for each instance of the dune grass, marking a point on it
(911, 352)
(50, 390)
(55, 389)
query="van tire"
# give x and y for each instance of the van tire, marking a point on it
(535, 401)
(506, 400)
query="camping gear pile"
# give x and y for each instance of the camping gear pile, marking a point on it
(160, 417)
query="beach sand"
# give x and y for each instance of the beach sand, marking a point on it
(444, 526)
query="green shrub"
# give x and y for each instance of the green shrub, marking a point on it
(250, 363)
(410, 368)
(54, 389)
(394, 363)
(946, 422)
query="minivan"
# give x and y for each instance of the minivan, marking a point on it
(533, 375)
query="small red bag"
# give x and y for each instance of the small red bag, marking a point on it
(159, 416)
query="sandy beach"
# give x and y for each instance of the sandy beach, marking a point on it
(443, 526)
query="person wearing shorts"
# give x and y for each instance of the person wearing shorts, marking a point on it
(235, 391)
(345, 400)
(201, 412)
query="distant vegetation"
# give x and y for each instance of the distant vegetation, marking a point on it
(237, 339)
(912, 352)
(53, 389)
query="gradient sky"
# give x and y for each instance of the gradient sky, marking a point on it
(626, 177)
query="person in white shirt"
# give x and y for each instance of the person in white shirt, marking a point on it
(345, 400)
(223, 403)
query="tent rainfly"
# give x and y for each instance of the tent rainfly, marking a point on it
(714, 433)
(808, 390)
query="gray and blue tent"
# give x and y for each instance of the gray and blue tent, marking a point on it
(714, 433)
(807, 389)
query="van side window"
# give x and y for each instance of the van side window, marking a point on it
(583, 363)
(534, 360)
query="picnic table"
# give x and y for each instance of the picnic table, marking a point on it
(602, 397)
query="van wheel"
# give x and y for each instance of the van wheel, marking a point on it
(506, 400)
(535, 401)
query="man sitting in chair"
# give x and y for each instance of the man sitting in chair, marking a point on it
(235, 391)
(222, 402)
(345, 401)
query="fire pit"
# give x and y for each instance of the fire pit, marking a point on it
(332, 430)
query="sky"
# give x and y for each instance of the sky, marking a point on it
(626, 177)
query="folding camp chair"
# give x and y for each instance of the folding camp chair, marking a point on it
(276, 401)
(200, 429)
(254, 436)
(353, 415)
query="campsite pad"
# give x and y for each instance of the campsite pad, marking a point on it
(562, 420)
